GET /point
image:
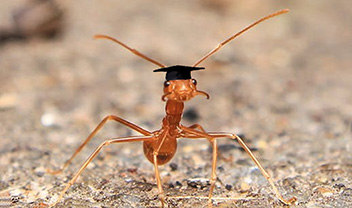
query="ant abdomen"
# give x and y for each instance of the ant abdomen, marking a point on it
(165, 153)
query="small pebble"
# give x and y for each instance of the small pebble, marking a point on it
(347, 192)
(228, 187)
(198, 182)
(245, 186)
(178, 183)
(339, 186)
(173, 166)
(48, 119)
(128, 180)
(15, 199)
(40, 173)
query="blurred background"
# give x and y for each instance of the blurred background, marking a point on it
(284, 86)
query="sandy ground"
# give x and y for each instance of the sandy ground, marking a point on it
(285, 86)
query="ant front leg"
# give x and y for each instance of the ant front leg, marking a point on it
(94, 132)
(94, 154)
(158, 179)
(190, 132)
(156, 164)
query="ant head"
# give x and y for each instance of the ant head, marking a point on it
(179, 85)
(181, 90)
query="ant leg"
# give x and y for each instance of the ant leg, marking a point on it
(255, 160)
(213, 171)
(214, 161)
(156, 168)
(94, 132)
(158, 179)
(197, 126)
(197, 134)
(94, 154)
(190, 132)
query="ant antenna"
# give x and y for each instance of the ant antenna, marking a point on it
(130, 49)
(220, 45)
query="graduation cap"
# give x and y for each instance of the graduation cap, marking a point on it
(178, 72)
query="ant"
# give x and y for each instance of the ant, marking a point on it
(160, 146)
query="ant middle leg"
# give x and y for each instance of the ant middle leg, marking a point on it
(214, 160)
(94, 154)
(94, 132)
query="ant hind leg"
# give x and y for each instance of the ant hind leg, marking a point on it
(190, 132)
(263, 171)
(255, 160)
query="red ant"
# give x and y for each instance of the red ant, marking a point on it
(160, 146)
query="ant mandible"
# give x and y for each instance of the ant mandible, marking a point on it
(160, 146)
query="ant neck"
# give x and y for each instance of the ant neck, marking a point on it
(174, 110)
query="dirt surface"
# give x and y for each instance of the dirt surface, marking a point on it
(285, 86)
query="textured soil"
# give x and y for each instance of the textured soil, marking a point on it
(284, 86)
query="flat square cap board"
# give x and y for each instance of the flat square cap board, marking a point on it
(178, 72)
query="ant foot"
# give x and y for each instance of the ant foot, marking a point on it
(290, 201)
(53, 172)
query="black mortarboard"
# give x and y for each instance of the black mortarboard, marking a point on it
(178, 72)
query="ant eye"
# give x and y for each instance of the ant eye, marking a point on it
(194, 81)
(166, 83)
